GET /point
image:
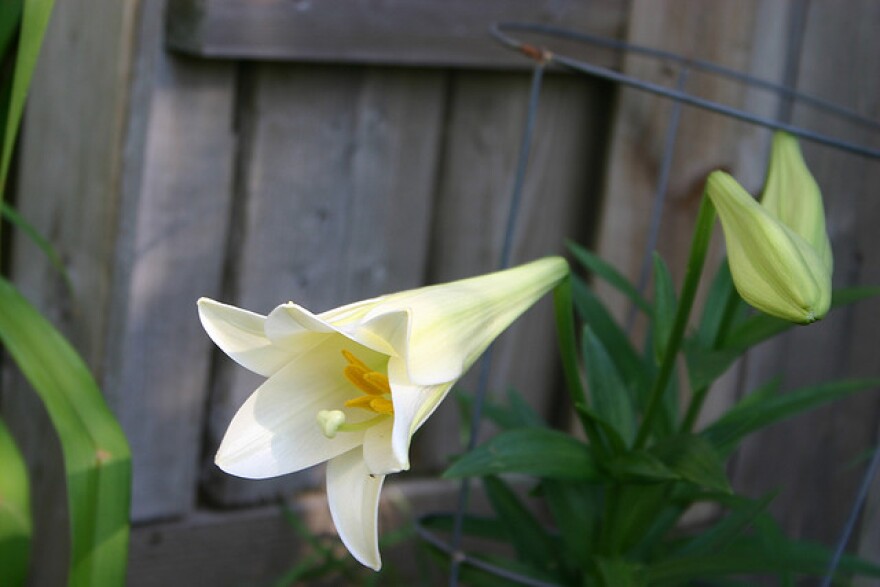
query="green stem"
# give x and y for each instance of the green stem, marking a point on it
(699, 247)
(568, 351)
(699, 396)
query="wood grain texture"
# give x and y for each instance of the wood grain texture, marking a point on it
(337, 171)
(396, 32)
(68, 188)
(485, 129)
(744, 36)
(809, 458)
(256, 546)
(178, 223)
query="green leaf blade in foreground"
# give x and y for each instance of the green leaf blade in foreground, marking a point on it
(531, 451)
(34, 19)
(15, 513)
(606, 271)
(726, 432)
(96, 455)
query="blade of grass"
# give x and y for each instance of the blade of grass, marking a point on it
(97, 459)
(15, 513)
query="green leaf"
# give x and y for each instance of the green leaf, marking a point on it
(610, 397)
(760, 327)
(532, 543)
(598, 266)
(618, 572)
(10, 17)
(576, 507)
(751, 556)
(12, 215)
(96, 456)
(722, 305)
(532, 451)
(732, 526)
(633, 510)
(664, 307)
(15, 513)
(474, 526)
(726, 432)
(694, 459)
(34, 19)
(629, 364)
(641, 466)
(515, 414)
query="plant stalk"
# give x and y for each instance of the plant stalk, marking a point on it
(699, 248)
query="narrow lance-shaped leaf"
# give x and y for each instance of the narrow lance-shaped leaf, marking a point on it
(15, 512)
(532, 542)
(532, 451)
(609, 396)
(729, 429)
(97, 460)
(35, 18)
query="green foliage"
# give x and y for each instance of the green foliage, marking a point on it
(97, 460)
(15, 512)
(613, 505)
(96, 456)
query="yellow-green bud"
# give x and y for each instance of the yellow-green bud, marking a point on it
(778, 250)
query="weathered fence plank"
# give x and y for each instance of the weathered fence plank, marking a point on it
(483, 136)
(68, 177)
(811, 458)
(169, 257)
(335, 186)
(423, 33)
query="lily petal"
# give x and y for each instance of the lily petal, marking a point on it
(353, 495)
(276, 432)
(440, 330)
(240, 334)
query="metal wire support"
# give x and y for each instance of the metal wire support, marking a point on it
(679, 94)
(486, 362)
(500, 32)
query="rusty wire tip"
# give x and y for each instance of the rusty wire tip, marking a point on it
(539, 54)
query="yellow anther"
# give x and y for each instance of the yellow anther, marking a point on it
(380, 405)
(366, 381)
(360, 402)
(353, 360)
(378, 381)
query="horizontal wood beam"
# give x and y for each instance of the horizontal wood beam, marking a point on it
(451, 33)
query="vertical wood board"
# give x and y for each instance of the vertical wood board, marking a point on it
(471, 213)
(159, 375)
(818, 484)
(68, 189)
(336, 174)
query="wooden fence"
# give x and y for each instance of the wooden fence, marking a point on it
(288, 150)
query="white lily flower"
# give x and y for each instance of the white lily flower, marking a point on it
(350, 386)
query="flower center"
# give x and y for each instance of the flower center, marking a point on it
(376, 398)
(373, 384)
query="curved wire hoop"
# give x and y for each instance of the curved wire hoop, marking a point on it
(542, 57)
(500, 31)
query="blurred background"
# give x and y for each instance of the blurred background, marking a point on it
(323, 152)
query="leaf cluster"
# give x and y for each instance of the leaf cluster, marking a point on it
(612, 505)
(96, 456)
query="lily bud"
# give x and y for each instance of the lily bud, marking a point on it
(778, 250)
